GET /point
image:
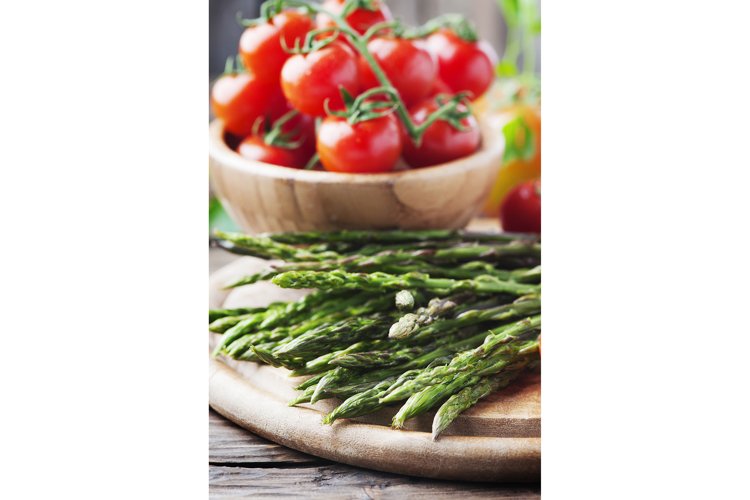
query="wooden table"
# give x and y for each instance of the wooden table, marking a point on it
(243, 464)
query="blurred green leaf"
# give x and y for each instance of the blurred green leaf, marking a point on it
(506, 69)
(519, 140)
(218, 217)
(510, 11)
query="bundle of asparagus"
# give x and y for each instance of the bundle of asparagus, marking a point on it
(425, 317)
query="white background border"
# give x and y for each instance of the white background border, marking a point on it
(645, 255)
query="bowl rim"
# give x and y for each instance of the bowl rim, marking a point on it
(220, 152)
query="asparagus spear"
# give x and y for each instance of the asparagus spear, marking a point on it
(468, 270)
(382, 281)
(265, 354)
(266, 248)
(221, 325)
(408, 325)
(425, 399)
(394, 236)
(436, 308)
(368, 380)
(310, 382)
(237, 348)
(468, 397)
(360, 404)
(324, 362)
(428, 397)
(477, 358)
(376, 359)
(323, 339)
(214, 314)
(320, 302)
(347, 382)
(285, 313)
(367, 401)
(250, 355)
(398, 352)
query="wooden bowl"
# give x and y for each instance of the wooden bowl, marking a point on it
(267, 198)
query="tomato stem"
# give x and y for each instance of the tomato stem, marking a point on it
(377, 28)
(313, 161)
(461, 26)
(444, 112)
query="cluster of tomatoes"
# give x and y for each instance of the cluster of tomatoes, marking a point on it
(276, 81)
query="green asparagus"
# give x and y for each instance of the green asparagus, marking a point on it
(407, 326)
(446, 296)
(382, 281)
(477, 357)
(395, 236)
(468, 397)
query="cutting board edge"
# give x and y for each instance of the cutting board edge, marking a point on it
(469, 458)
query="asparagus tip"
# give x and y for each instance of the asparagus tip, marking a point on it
(437, 428)
(299, 399)
(404, 300)
(404, 327)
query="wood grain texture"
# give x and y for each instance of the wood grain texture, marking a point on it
(261, 197)
(497, 440)
(342, 482)
(232, 445)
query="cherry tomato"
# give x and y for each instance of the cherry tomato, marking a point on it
(240, 99)
(518, 170)
(521, 212)
(278, 106)
(441, 142)
(440, 87)
(308, 80)
(411, 69)
(463, 65)
(302, 128)
(366, 147)
(260, 46)
(255, 148)
(360, 20)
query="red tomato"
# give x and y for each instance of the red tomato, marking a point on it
(278, 106)
(360, 20)
(411, 69)
(462, 65)
(240, 99)
(260, 45)
(441, 142)
(308, 80)
(255, 148)
(302, 127)
(370, 146)
(440, 87)
(521, 211)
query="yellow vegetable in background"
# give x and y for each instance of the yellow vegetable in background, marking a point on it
(525, 159)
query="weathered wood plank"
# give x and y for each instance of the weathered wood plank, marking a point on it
(344, 482)
(230, 444)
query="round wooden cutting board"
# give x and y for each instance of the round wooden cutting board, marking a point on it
(496, 440)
